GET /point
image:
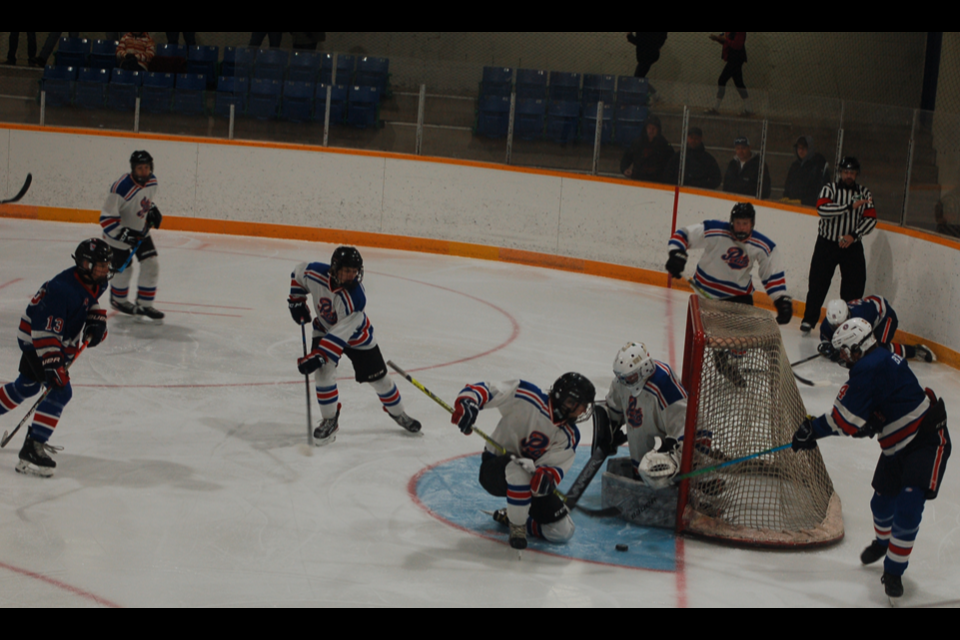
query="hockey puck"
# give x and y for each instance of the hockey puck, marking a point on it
(622, 548)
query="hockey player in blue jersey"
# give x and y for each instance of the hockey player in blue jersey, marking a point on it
(881, 316)
(63, 315)
(883, 399)
(341, 328)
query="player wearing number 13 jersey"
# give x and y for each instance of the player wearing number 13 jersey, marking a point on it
(341, 328)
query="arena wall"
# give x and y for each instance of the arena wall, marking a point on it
(597, 225)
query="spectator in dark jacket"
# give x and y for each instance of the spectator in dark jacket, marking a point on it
(807, 174)
(648, 44)
(743, 172)
(702, 170)
(647, 157)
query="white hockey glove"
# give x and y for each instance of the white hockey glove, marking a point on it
(661, 464)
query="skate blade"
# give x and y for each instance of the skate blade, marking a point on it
(28, 469)
(324, 442)
(895, 603)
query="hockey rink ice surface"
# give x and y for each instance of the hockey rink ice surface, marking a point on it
(184, 481)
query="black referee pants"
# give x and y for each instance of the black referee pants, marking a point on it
(827, 256)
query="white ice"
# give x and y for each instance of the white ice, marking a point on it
(183, 482)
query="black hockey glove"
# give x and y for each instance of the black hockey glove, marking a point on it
(827, 351)
(299, 311)
(677, 263)
(154, 217)
(313, 361)
(129, 236)
(95, 330)
(465, 415)
(805, 439)
(606, 436)
(54, 371)
(784, 309)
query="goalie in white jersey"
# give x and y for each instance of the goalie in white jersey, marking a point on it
(341, 328)
(648, 400)
(539, 433)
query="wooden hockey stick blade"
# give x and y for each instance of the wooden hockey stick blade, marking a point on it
(23, 191)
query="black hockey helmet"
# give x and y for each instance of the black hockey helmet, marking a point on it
(88, 255)
(346, 257)
(743, 211)
(568, 392)
(138, 158)
(849, 163)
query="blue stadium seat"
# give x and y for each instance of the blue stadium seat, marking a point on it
(597, 88)
(497, 81)
(338, 103)
(297, 105)
(630, 121)
(123, 90)
(72, 52)
(345, 69)
(564, 87)
(493, 117)
(632, 92)
(304, 66)
(156, 94)
(190, 94)
(58, 83)
(103, 54)
(264, 101)
(92, 88)
(530, 119)
(203, 61)
(563, 119)
(238, 61)
(531, 84)
(170, 58)
(588, 124)
(231, 90)
(372, 72)
(271, 64)
(363, 107)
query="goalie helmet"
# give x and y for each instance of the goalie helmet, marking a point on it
(90, 253)
(633, 366)
(854, 339)
(837, 312)
(346, 258)
(570, 391)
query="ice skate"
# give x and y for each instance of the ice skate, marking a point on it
(500, 517)
(893, 585)
(34, 459)
(150, 313)
(924, 353)
(123, 306)
(518, 536)
(326, 432)
(408, 423)
(806, 328)
(874, 553)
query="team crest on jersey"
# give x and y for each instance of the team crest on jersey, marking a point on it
(634, 414)
(144, 208)
(40, 295)
(736, 258)
(326, 311)
(535, 446)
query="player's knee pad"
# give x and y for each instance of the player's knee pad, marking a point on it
(493, 476)
(382, 385)
(560, 532)
(883, 506)
(910, 505)
(548, 510)
(149, 272)
(60, 396)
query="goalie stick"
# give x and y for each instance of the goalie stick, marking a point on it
(23, 191)
(7, 437)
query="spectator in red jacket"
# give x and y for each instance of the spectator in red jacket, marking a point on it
(136, 50)
(735, 55)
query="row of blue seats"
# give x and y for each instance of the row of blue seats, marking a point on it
(566, 87)
(298, 101)
(119, 89)
(560, 121)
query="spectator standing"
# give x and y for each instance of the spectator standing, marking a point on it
(53, 37)
(136, 50)
(807, 174)
(743, 172)
(701, 170)
(735, 55)
(15, 44)
(947, 210)
(648, 44)
(307, 40)
(189, 37)
(274, 37)
(847, 215)
(647, 157)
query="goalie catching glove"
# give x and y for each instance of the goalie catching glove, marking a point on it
(660, 465)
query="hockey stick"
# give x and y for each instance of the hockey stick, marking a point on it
(699, 289)
(133, 251)
(700, 472)
(7, 437)
(23, 191)
(303, 333)
(805, 360)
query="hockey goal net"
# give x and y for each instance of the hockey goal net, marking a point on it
(743, 399)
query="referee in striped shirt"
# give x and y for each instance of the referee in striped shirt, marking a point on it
(847, 214)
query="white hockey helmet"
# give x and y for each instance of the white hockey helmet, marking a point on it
(854, 339)
(837, 312)
(633, 366)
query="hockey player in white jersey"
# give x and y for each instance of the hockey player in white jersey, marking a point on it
(128, 215)
(539, 433)
(648, 399)
(341, 328)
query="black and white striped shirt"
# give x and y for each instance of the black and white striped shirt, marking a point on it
(837, 215)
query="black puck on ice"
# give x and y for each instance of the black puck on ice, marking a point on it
(622, 548)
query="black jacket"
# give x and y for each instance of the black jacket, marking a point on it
(648, 44)
(702, 170)
(744, 181)
(806, 178)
